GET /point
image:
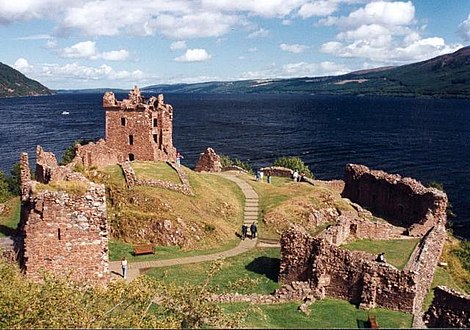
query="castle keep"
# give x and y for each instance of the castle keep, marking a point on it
(139, 129)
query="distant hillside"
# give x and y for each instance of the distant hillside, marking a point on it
(14, 83)
(442, 76)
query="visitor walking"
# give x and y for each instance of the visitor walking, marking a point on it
(295, 176)
(178, 159)
(253, 230)
(124, 267)
(258, 175)
(268, 178)
(261, 174)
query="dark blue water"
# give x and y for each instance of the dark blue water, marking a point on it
(426, 139)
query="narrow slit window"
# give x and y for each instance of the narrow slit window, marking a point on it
(123, 121)
(155, 138)
(131, 139)
(58, 234)
(155, 122)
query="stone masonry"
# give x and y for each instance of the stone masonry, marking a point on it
(139, 129)
(404, 201)
(449, 309)
(332, 271)
(97, 154)
(208, 161)
(63, 222)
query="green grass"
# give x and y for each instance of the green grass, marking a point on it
(255, 271)
(441, 277)
(117, 250)
(155, 170)
(326, 313)
(11, 217)
(397, 252)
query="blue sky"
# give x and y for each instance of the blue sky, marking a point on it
(119, 43)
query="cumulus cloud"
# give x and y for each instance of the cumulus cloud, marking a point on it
(383, 32)
(464, 29)
(260, 33)
(178, 45)
(87, 49)
(318, 8)
(293, 48)
(22, 65)
(194, 55)
(264, 8)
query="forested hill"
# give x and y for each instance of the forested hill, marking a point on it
(14, 83)
(442, 76)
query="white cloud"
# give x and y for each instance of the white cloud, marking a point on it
(84, 49)
(194, 55)
(22, 65)
(51, 44)
(464, 29)
(178, 45)
(88, 50)
(318, 8)
(260, 33)
(293, 48)
(378, 12)
(264, 8)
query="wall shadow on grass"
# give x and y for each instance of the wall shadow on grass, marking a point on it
(266, 266)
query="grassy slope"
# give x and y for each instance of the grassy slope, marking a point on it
(210, 218)
(152, 170)
(283, 202)
(397, 252)
(9, 219)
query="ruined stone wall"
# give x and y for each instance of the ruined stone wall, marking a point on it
(139, 129)
(63, 223)
(423, 262)
(350, 275)
(97, 155)
(208, 161)
(404, 201)
(449, 309)
(133, 180)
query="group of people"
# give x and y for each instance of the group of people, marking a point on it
(253, 231)
(260, 175)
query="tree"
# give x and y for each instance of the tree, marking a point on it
(294, 163)
(14, 180)
(4, 192)
(227, 161)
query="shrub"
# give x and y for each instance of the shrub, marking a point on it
(294, 163)
(69, 153)
(227, 161)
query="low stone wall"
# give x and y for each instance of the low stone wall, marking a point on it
(449, 309)
(97, 155)
(277, 171)
(132, 180)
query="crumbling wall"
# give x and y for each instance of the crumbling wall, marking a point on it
(277, 171)
(449, 309)
(404, 201)
(140, 129)
(97, 155)
(63, 222)
(351, 275)
(208, 161)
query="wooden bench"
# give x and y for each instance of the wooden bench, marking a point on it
(143, 249)
(372, 320)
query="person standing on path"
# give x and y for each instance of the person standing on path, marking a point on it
(124, 267)
(244, 231)
(253, 230)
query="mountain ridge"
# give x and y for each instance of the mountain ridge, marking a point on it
(13, 84)
(442, 76)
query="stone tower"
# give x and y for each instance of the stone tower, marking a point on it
(140, 129)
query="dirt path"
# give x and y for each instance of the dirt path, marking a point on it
(250, 215)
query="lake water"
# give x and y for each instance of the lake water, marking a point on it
(426, 139)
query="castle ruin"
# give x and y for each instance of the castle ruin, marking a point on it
(356, 276)
(138, 129)
(63, 222)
